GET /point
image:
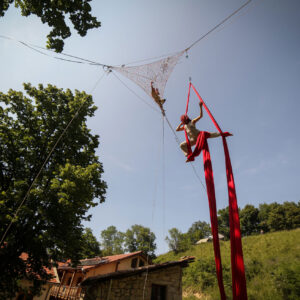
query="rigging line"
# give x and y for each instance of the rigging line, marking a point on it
(240, 15)
(40, 170)
(218, 25)
(36, 50)
(144, 101)
(163, 176)
(32, 46)
(152, 220)
(191, 163)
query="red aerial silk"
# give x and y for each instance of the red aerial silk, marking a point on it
(239, 289)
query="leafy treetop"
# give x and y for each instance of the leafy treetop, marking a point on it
(53, 13)
(48, 226)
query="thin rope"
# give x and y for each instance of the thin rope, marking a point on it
(39, 172)
(144, 101)
(33, 47)
(163, 176)
(218, 25)
(153, 204)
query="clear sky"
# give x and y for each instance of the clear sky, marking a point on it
(247, 72)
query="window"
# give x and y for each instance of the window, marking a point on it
(142, 263)
(134, 263)
(158, 292)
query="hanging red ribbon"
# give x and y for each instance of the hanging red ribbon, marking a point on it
(239, 289)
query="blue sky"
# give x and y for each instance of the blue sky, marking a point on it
(247, 72)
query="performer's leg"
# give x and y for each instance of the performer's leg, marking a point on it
(214, 134)
(184, 148)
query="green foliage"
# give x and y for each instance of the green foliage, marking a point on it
(249, 220)
(53, 13)
(90, 245)
(112, 241)
(197, 231)
(177, 241)
(140, 238)
(223, 222)
(287, 279)
(266, 218)
(48, 226)
(272, 263)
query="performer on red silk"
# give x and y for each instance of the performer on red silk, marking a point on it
(190, 127)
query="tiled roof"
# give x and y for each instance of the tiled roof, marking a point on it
(89, 263)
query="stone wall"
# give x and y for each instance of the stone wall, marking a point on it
(132, 287)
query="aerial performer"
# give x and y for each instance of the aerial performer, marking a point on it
(194, 134)
(156, 97)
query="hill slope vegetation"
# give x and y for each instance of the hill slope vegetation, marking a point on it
(272, 263)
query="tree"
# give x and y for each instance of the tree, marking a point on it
(197, 231)
(90, 245)
(292, 214)
(276, 218)
(264, 211)
(223, 222)
(112, 241)
(249, 220)
(140, 238)
(177, 241)
(53, 13)
(48, 226)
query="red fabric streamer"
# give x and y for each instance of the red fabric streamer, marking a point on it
(239, 289)
(202, 145)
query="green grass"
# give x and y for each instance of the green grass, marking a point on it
(272, 263)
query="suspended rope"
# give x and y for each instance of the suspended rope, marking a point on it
(218, 25)
(42, 167)
(35, 48)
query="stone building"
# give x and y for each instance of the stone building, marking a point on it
(70, 278)
(153, 282)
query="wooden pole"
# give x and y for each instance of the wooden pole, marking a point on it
(71, 284)
(63, 277)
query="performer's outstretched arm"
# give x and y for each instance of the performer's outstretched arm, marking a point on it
(200, 115)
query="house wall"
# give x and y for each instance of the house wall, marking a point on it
(124, 264)
(131, 287)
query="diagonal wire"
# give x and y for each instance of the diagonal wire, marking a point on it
(144, 101)
(218, 25)
(35, 48)
(40, 170)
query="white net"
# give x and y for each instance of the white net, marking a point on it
(156, 73)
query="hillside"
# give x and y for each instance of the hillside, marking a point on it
(272, 263)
